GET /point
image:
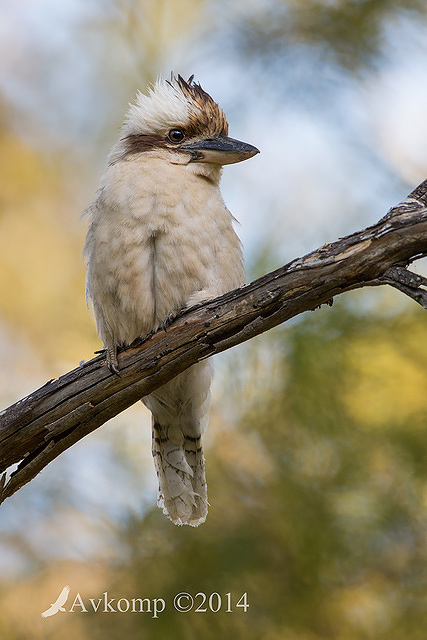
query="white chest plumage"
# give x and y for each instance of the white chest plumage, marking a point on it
(160, 236)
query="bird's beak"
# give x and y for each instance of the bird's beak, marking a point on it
(220, 150)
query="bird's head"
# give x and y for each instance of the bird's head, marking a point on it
(178, 117)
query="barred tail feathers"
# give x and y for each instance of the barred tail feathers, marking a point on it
(180, 468)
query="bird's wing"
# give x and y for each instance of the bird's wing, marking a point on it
(62, 598)
(49, 612)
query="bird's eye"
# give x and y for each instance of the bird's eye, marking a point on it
(176, 135)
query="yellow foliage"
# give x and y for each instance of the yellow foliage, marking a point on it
(388, 377)
(368, 607)
(41, 266)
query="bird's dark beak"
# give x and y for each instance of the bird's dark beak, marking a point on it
(220, 150)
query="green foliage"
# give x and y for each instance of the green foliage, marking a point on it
(317, 510)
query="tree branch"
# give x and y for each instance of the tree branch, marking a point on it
(39, 427)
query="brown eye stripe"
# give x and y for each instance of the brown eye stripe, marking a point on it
(138, 143)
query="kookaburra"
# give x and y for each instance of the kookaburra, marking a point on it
(161, 239)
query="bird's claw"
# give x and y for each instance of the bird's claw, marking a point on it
(112, 362)
(168, 320)
(114, 369)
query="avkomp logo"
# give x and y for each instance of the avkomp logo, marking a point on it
(104, 604)
(58, 605)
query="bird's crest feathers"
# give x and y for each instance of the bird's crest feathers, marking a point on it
(175, 102)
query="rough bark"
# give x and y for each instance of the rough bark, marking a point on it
(39, 427)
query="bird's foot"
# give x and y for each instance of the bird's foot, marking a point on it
(112, 362)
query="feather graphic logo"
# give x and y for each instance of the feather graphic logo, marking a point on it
(58, 605)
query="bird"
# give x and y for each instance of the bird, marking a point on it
(58, 605)
(161, 239)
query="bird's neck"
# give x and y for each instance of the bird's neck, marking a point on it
(206, 171)
(166, 163)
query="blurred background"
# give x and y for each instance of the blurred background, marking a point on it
(316, 450)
